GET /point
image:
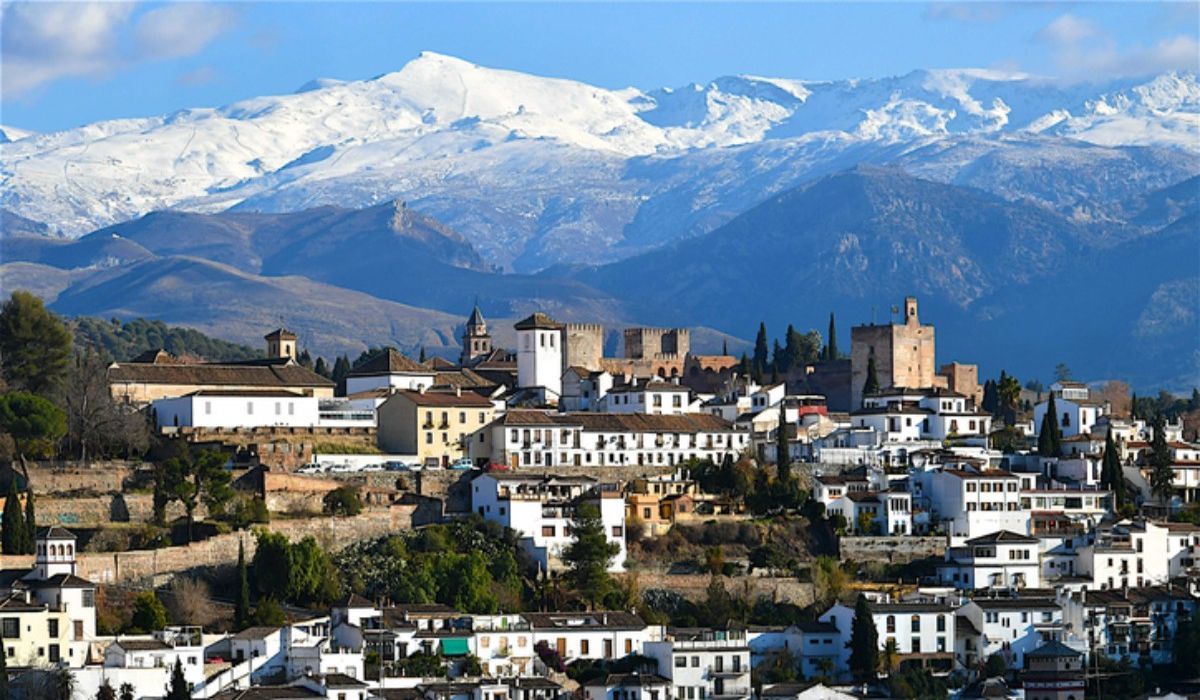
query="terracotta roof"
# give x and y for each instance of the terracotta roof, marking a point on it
(462, 377)
(628, 680)
(989, 474)
(216, 375)
(142, 644)
(649, 386)
(467, 399)
(538, 320)
(261, 632)
(1052, 649)
(390, 361)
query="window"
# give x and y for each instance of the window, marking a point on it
(916, 623)
(208, 408)
(52, 626)
(249, 408)
(279, 408)
(695, 662)
(428, 438)
(941, 624)
(680, 662)
(462, 417)
(547, 531)
(584, 647)
(54, 653)
(10, 628)
(78, 629)
(891, 624)
(291, 408)
(618, 531)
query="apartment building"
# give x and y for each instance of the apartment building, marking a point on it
(997, 560)
(432, 425)
(704, 664)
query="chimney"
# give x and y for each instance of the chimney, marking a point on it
(457, 390)
(421, 388)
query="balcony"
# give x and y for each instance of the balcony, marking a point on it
(714, 672)
(727, 693)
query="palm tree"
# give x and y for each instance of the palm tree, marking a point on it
(59, 684)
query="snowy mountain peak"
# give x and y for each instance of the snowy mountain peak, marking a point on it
(440, 122)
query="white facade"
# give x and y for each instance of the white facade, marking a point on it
(414, 381)
(1075, 417)
(654, 398)
(999, 560)
(974, 504)
(541, 509)
(540, 355)
(1013, 626)
(704, 664)
(524, 438)
(205, 409)
(923, 628)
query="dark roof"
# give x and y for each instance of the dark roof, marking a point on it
(142, 644)
(584, 620)
(354, 600)
(286, 692)
(280, 334)
(1003, 537)
(1052, 649)
(216, 375)
(631, 680)
(911, 607)
(817, 627)
(538, 320)
(390, 361)
(55, 532)
(466, 399)
(341, 680)
(1015, 603)
(281, 393)
(63, 581)
(261, 632)
(476, 318)
(649, 386)
(786, 690)
(15, 603)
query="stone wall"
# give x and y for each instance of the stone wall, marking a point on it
(695, 586)
(894, 550)
(97, 511)
(100, 477)
(147, 565)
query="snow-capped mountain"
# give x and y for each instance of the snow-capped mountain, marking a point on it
(536, 171)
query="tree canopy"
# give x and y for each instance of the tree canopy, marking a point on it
(864, 642)
(589, 555)
(35, 346)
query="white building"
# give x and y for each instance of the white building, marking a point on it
(389, 369)
(974, 503)
(704, 664)
(540, 354)
(1136, 554)
(584, 389)
(923, 631)
(528, 438)
(629, 686)
(238, 409)
(654, 398)
(890, 511)
(541, 509)
(1011, 625)
(998, 560)
(602, 634)
(1077, 412)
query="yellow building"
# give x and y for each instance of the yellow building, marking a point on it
(431, 424)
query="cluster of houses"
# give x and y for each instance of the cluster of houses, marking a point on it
(359, 650)
(1037, 569)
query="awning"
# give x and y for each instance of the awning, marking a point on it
(455, 647)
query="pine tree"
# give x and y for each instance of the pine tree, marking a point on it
(779, 359)
(1162, 476)
(30, 530)
(991, 399)
(322, 368)
(589, 555)
(871, 386)
(761, 351)
(864, 642)
(241, 612)
(831, 348)
(1049, 435)
(1111, 475)
(178, 690)
(12, 535)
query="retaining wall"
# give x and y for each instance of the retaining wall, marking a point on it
(894, 550)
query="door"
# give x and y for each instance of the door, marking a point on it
(608, 649)
(561, 647)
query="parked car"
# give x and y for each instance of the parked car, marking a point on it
(372, 468)
(463, 464)
(397, 466)
(310, 469)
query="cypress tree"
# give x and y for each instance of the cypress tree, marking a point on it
(725, 347)
(1049, 436)
(30, 530)
(783, 457)
(761, 350)
(1111, 476)
(12, 534)
(178, 690)
(421, 359)
(241, 612)
(322, 368)
(1133, 412)
(1162, 476)
(871, 386)
(779, 359)
(831, 348)
(864, 642)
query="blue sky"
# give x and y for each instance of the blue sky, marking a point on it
(66, 64)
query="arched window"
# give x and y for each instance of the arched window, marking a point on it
(69, 552)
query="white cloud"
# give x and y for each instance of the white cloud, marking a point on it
(179, 30)
(1081, 51)
(1067, 29)
(41, 42)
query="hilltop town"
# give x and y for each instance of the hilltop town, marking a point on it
(568, 519)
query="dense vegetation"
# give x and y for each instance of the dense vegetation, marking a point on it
(122, 341)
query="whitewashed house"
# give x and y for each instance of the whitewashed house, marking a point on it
(997, 560)
(389, 369)
(704, 663)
